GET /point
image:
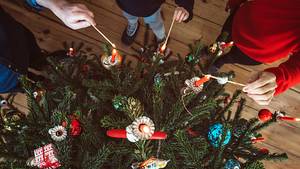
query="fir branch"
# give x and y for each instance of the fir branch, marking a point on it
(97, 160)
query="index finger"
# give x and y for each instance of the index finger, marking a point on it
(82, 16)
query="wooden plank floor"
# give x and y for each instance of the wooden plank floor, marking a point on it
(207, 22)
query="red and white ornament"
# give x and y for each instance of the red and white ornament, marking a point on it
(45, 157)
(141, 129)
(58, 133)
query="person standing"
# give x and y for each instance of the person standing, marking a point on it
(18, 47)
(265, 31)
(150, 10)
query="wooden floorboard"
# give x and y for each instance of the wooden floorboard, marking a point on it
(209, 17)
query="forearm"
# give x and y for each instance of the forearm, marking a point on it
(52, 4)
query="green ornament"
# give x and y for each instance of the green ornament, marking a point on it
(190, 58)
(119, 102)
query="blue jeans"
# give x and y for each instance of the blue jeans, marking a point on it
(155, 22)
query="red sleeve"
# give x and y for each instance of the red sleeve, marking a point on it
(287, 74)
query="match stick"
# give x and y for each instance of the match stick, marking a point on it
(113, 45)
(167, 38)
(232, 82)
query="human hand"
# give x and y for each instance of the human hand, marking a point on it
(181, 14)
(75, 16)
(261, 87)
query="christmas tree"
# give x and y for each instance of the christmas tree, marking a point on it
(104, 112)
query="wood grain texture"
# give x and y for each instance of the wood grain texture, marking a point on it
(50, 33)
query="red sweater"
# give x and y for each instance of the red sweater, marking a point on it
(269, 30)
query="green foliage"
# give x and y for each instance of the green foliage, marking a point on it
(103, 99)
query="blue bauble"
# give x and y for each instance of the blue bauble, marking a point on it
(215, 135)
(232, 164)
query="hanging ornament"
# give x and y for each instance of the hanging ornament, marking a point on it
(220, 48)
(265, 115)
(264, 151)
(45, 157)
(110, 61)
(213, 48)
(191, 59)
(58, 133)
(194, 85)
(3, 103)
(75, 128)
(151, 163)
(232, 164)
(39, 94)
(119, 102)
(141, 129)
(158, 80)
(215, 135)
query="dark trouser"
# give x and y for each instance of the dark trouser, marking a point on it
(235, 55)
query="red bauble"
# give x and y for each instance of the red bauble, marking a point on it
(265, 115)
(75, 128)
(264, 151)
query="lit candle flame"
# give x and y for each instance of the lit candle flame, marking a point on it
(71, 52)
(163, 48)
(114, 53)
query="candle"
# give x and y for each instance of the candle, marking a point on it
(121, 133)
(144, 128)
(285, 118)
(226, 45)
(71, 52)
(114, 53)
(202, 80)
(256, 140)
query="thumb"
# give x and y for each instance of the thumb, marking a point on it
(82, 16)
